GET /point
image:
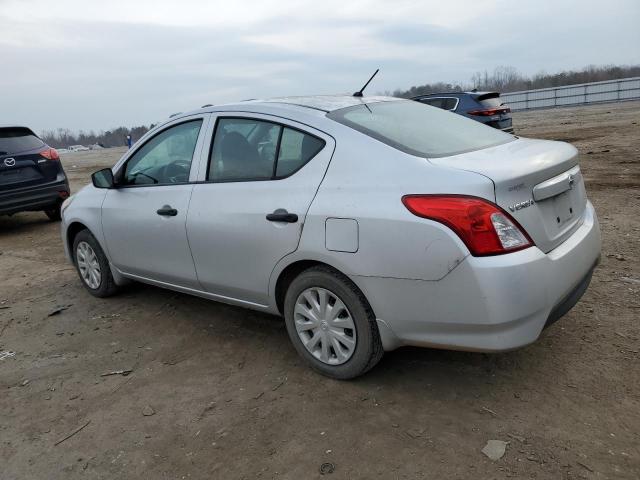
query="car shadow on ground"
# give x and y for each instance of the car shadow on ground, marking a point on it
(20, 223)
(407, 364)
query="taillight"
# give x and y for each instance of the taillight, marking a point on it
(484, 227)
(50, 154)
(489, 112)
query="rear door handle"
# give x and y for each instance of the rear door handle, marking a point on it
(281, 215)
(167, 211)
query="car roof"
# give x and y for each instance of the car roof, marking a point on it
(306, 109)
(14, 126)
(327, 103)
(440, 94)
(322, 103)
(2, 127)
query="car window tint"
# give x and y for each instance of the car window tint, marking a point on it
(16, 140)
(449, 103)
(243, 149)
(296, 149)
(492, 102)
(166, 158)
(434, 102)
(426, 132)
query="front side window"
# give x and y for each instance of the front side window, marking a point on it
(249, 149)
(418, 130)
(166, 158)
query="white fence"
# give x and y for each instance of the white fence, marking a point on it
(582, 94)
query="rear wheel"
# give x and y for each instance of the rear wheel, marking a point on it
(331, 324)
(54, 213)
(92, 265)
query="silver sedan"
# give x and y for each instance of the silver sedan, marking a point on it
(368, 223)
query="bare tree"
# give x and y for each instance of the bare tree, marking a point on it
(508, 79)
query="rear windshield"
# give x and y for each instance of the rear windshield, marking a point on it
(491, 102)
(419, 129)
(15, 140)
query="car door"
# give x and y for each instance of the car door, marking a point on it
(261, 177)
(144, 217)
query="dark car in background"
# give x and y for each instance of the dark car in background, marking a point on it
(31, 174)
(485, 107)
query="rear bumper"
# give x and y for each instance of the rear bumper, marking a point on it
(36, 197)
(487, 303)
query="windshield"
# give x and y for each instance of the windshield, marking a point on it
(419, 129)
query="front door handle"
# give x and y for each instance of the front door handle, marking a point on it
(281, 215)
(167, 211)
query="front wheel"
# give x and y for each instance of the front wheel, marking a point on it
(331, 324)
(92, 265)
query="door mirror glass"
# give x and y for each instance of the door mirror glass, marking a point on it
(103, 178)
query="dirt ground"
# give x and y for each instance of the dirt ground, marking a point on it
(218, 392)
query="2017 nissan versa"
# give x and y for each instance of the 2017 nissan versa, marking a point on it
(369, 223)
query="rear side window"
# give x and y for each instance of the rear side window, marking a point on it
(249, 149)
(445, 103)
(16, 140)
(449, 103)
(434, 102)
(296, 149)
(418, 130)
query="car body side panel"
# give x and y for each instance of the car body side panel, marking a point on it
(233, 244)
(143, 243)
(136, 240)
(366, 182)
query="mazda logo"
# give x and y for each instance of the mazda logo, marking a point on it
(9, 162)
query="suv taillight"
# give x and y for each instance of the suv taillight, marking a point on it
(484, 227)
(490, 112)
(50, 154)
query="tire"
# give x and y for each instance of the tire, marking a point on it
(106, 286)
(54, 213)
(311, 286)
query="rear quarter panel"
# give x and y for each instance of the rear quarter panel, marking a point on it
(366, 181)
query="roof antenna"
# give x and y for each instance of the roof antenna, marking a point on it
(359, 92)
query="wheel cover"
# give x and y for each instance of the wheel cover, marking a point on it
(88, 265)
(325, 326)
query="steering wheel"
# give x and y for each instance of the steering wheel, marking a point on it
(177, 171)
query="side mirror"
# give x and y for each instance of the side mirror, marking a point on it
(103, 178)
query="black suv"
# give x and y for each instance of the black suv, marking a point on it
(31, 175)
(484, 107)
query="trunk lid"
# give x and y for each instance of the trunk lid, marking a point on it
(537, 181)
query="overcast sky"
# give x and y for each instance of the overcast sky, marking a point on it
(85, 64)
